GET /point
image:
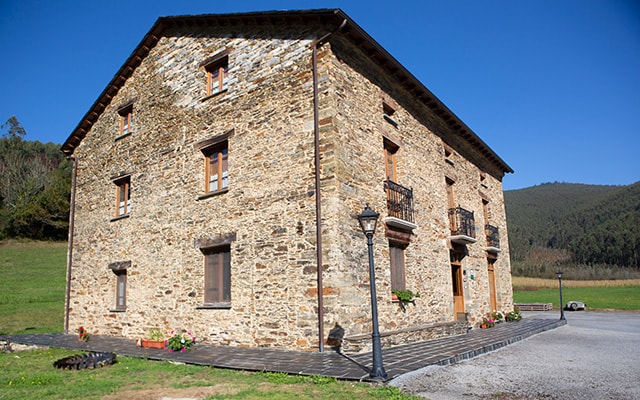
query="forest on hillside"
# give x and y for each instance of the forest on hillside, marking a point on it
(590, 229)
(35, 182)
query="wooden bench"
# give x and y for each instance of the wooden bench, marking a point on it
(534, 306)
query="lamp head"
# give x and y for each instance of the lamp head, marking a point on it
(368, 220)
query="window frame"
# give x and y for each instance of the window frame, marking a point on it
(123, 188)
(397, 262)
(126, 120)
(121, 290)
(217, 276)
(390, 160)
(388, 113)
(208, 147)
(217, 71)
(217, 155)
(120, 270)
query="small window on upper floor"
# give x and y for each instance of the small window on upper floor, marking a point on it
(390, 150)
(448, 154)
(216, 167)
(483, 179)
(388, 114)
(217, 74)
(216, 164)
(126, 120)
(123, 196)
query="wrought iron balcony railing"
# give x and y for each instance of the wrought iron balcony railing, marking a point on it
(462, 222)
(399, 201)
(493, 236)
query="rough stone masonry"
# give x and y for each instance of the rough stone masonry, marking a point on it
(267, 215)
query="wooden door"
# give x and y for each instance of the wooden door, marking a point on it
(492, 287)
(458, 291)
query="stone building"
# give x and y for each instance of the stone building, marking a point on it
(230, 156)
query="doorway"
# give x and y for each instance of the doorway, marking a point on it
(492, 285)
(457, 285)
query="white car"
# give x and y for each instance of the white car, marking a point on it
(575, 306)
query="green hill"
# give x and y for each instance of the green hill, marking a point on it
(589, 228)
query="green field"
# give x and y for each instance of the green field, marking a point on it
(602, 298)
(33, 287)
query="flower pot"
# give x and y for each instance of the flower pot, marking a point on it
(152, 344)
(394, 297)
(483, 326)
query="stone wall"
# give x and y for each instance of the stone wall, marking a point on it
(269, 209)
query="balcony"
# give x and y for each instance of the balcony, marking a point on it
(463, 228)
(493, 238)
(399, 206)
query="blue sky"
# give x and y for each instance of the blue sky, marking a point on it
(553, 86)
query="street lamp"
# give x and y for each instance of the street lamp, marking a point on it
(559, 275)
(368, 220)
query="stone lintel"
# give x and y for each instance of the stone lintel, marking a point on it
(215, 241)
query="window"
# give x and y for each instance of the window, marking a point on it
(390, 150)
(448, 154)
(216, 164)
(387, 113)
(217, 75)
(123, 196)
(485, 211)
(217, 275)
(483, 178)
(217, 167)
(126, 119)
(396, 255)
(120, 270)
(450, 199)
(121, 290)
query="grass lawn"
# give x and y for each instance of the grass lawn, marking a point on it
(30, 375)
(618, 295)
(33, 287)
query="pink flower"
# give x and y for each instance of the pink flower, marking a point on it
(183, 350)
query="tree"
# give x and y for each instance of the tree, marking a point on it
(34, 186)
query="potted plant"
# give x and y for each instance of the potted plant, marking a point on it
(496, 316)
(181, 342)
(404, 297)
(513, 316)
(487, 322)
(154, 339)
(83, 335)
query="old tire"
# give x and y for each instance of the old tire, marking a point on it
(85, 361)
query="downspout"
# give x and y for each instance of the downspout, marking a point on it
(316, 139)
(72, 209)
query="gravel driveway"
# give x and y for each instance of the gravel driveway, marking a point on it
(595, 356)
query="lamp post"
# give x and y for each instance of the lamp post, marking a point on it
(559, 275)
(368, 220)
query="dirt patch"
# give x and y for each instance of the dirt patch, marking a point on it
(196, 392)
